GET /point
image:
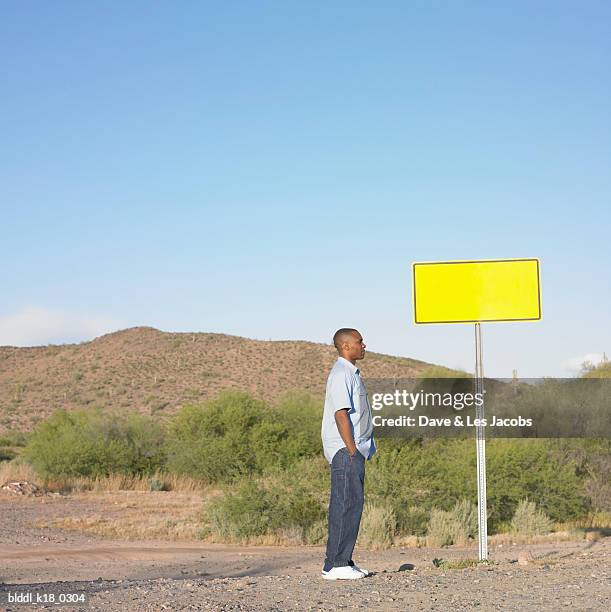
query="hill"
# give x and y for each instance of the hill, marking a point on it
(148, 370)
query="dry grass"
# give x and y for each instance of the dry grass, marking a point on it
(378, 526)
(15, 470)
(600, 520)
(125, 482)
(124, 507)
(549, 538)
(283, 537)
(410, 541)
(563, 532)
(135, 515)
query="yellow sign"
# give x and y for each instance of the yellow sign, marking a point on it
(476, 291)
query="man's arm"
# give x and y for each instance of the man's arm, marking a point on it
(344, 427)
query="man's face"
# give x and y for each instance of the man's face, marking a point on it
(355, 347)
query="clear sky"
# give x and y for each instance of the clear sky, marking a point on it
(271, 169)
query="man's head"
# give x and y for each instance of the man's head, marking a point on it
(349, 344)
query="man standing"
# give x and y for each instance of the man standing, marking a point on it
(347, 437)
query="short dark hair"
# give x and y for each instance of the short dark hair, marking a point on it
(340, 336)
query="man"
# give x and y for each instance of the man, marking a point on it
(347, 437)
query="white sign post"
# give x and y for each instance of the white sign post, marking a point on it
(480, 445)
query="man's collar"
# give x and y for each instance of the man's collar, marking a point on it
(352, 367)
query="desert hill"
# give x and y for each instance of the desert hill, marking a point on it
(148, 370)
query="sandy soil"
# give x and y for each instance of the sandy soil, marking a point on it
(160, 575)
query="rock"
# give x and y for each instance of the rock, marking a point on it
(593, 536)
(21, 487)
(525, 558)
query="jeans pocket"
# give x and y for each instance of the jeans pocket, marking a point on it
(340, 459)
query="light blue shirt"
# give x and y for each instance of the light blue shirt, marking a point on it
(346, 389)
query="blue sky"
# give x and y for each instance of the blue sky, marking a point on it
(271, 169)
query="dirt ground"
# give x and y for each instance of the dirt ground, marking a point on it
(58, 566)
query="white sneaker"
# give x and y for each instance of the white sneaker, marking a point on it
(357, 568)
(360, 569)
(347, 572)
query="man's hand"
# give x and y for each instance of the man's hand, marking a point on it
(344, 427)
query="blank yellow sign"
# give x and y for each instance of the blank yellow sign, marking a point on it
(476, 291)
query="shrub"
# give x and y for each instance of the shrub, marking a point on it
(530, 520)
(436, 473)
(236, 435)
(276, 446)
(378, 526)
(456, 526)
(156, 484)
(411, 520)
(249, 511)
(440, 531)
(212, 441)
(302, 414)
(317, 533)
(13, 437)
(286, 502)
(602, 370)
(6, 454)
(528, 468)
(465, 516)
(256, 510)
(437, 371)
(95, 443)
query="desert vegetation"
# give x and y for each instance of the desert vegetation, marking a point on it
(263, 479)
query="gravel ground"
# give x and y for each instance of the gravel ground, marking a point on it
(577, 582)
(155, 575)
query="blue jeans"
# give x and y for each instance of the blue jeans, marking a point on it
(345, 506)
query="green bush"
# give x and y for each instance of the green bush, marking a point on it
(421, 475)
(528, 468)
(530, 520)
(246, 512)
(6, 454)
(236, 435)
(276, 446)
(255, 510)
(212, 441)
(302, 414)
(292, 501)
(95, 443)
(14, 437)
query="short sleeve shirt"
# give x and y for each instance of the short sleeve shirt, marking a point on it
(346, 390)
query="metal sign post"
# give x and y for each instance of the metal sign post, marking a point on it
(480, 444)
